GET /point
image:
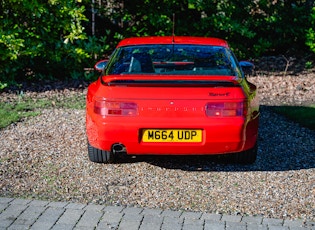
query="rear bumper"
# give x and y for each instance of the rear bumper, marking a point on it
(218, 136)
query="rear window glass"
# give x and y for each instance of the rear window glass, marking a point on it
(173, 60)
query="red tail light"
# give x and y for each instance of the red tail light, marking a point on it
(226, 109)
(115, 108)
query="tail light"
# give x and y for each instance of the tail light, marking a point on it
(226, 109)
(115, 108)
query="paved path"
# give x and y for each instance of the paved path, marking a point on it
(36, 214)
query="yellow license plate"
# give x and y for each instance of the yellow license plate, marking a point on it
(172, 135)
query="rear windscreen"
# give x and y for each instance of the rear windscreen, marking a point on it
(173, 60)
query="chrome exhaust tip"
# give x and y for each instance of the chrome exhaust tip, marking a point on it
(118, 148)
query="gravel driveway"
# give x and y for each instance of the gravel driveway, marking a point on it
(45, 157)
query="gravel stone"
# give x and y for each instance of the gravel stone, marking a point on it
(45, 158)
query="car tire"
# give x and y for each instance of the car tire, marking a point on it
(246, 157)
(100, 156)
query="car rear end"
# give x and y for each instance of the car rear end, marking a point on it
(175, 111)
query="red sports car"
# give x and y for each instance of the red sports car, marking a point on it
(172, 96)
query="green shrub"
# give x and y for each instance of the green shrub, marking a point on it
(310, 35)
(45, 40)
(54, 39)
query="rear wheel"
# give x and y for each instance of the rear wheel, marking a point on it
(246, 157)
(100, 156)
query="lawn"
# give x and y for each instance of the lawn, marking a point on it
(15, 111)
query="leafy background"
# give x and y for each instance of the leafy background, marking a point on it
(58, 39)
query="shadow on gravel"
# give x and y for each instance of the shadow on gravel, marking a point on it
(283, 145)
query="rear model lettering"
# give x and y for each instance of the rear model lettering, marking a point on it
(172, 109)
(220, 94)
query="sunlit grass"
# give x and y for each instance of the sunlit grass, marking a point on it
(11, 112)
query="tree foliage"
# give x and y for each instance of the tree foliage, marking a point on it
(58, 38)
(43, 39)
(310, 35)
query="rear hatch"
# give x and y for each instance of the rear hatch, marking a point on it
(186, 115)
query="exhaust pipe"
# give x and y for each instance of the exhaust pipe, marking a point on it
(118, 148)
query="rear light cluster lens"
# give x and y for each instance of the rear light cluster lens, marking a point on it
(226, 109)
(115, 108)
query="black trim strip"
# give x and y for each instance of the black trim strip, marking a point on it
(170, 83)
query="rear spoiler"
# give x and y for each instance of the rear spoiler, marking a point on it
(171, 83)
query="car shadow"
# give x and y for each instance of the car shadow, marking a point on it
(283, 145)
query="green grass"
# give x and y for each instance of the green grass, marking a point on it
(11, 112)
(304, 115)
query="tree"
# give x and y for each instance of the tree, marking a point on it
(310, 35)
(58, 38)
(41, 38)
